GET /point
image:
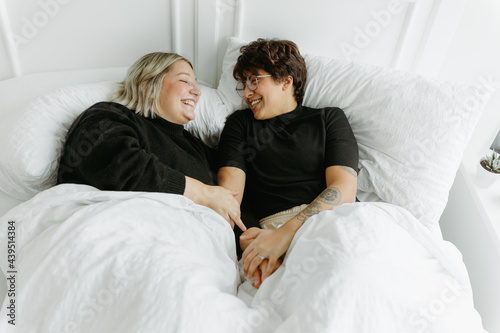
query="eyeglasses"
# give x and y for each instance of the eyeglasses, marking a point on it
(251, 82)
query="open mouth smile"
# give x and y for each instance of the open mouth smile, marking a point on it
(188, 102)
(255, 102)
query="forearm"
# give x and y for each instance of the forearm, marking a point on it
(329, 198)
(341, 189)
(196, 191)
(332, 196)
(232, 179)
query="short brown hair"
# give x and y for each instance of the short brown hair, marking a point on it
(280, 58)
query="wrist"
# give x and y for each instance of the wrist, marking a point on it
(196, 191)
(290, 228)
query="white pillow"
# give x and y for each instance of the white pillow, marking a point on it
(34, 137)
(411, 130)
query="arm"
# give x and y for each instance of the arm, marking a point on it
(217, 198)
(103, 149)
(114, 159)
(233, 179)
(341, 188)
(231, 173)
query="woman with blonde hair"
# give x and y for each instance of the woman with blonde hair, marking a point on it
(137, 141)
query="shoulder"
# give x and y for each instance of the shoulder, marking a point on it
(103, 117)
(106, 112)
(241, 115)
(331, 116)
(240, 118)
(326, 112)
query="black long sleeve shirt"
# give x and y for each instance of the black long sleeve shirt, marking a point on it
(112, 148)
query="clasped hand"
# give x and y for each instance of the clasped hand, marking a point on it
(268, 244)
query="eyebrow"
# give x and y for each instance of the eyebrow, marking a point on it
(184, 73)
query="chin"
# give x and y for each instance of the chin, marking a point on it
(190, 116)
(260, 115)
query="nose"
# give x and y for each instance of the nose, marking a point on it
(196, 91)
(247, 92)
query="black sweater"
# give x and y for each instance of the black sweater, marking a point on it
(112, 148)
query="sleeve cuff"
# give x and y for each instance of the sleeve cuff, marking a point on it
(175, 184)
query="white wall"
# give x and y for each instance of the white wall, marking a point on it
(474, 55)
(60, 35)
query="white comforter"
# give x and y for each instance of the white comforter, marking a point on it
(96, 261)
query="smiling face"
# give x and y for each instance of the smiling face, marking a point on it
(271, 98)
(179, 94)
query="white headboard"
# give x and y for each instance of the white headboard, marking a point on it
(58, 35)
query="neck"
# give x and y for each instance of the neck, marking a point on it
(288, 107)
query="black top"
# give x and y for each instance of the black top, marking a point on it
(285, 157)
(112, 148)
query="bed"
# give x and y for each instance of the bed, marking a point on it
(84, 260)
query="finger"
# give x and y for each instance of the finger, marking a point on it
(275, 268)
(236, 219)
(270, 266)
(247, 260)
(240, 224)
(230, 221)
(245, 256)
(250, 234)
(263, 268)
(251, 257)
(254, 265)
(256, 279)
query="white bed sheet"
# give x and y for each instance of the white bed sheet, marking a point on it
(102, 261)
(8, 202)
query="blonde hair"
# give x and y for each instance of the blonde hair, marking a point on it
(140, 91)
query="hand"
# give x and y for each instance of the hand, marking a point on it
(225, 204)
(248, 236)
(260, 273)
(217, 198)
(269, 244)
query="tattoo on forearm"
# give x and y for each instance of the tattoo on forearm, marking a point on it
(330, 196)
(313, 209)
(350, 171)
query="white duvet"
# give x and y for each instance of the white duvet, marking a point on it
(98, 261)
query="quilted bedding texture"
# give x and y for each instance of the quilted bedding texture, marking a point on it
(99, 261)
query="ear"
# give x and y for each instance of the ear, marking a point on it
(288, 82)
